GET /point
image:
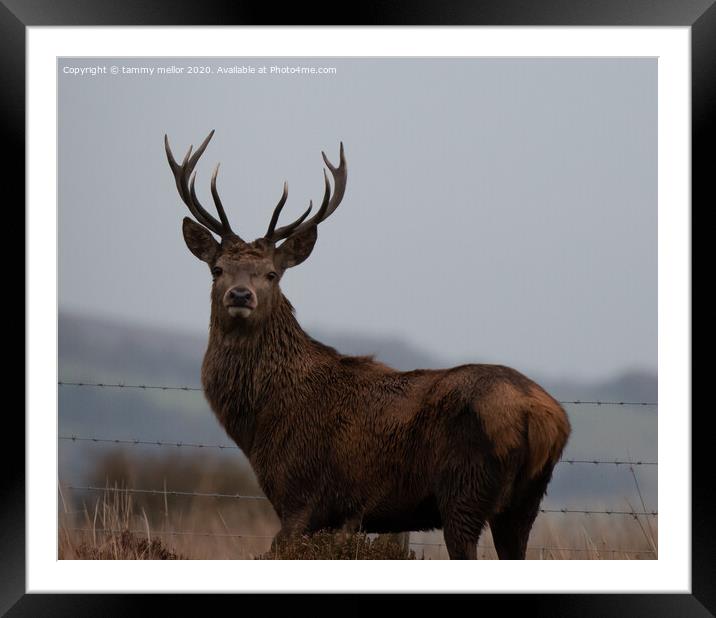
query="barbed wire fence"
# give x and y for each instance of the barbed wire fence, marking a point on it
(138, 442)
(199, 494)
(199, 389)
(224, 447)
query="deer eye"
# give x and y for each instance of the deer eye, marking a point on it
(216, 271)
(272, 276)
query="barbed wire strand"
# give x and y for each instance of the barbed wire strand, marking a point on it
(167, 492)
(172, 533)
(198, 389)
(180, 444)
(162, 492)
(147, 442)
(137, 442)
(131, 386)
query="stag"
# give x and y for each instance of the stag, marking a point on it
(347, 442)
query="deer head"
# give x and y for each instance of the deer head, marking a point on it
(246, 275)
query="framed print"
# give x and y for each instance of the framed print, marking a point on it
(433, 305)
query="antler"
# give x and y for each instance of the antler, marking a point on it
(187, 190)
(329, 204)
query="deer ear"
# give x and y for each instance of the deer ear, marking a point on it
(200, 241)
(296, 249)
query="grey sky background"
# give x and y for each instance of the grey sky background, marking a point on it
(497, 210)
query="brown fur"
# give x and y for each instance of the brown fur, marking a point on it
(339, 441)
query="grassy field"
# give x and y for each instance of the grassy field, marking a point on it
(108, 522)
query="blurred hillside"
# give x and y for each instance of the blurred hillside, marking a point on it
(92, 350)
(91, 344)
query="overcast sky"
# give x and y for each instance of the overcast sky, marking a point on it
(497, 210)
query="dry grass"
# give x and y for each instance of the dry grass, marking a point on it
(115, 524)
(107, 535)
(124, 546)
(340, 546)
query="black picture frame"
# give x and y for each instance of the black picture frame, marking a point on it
(699, 15)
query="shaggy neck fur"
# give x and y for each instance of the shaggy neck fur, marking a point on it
(246, 371)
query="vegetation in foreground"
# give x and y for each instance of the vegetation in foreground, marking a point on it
(124, 545)
(116, 524)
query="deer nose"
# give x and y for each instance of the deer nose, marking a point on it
(240, 297)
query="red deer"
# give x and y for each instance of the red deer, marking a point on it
(347, 442)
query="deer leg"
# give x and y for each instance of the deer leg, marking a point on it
(292, 527)
(462, 526)
(511, 527)
(466, 502)
(461, 541)
(510, 533)
(353, 524)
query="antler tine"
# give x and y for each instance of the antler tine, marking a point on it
(209, 220)
(340, 177)
(188, 166)
(277, 211)
(328, 205)
(180, 176)
(184, 192)
(286, 230)
(217, 202)
(200, 151)
(185, 178)
(175, 167)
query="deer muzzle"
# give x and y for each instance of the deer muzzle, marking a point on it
(240, 302)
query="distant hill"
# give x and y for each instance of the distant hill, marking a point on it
(98, 350)
(163, 354)
(130, 351)
(628, 386)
